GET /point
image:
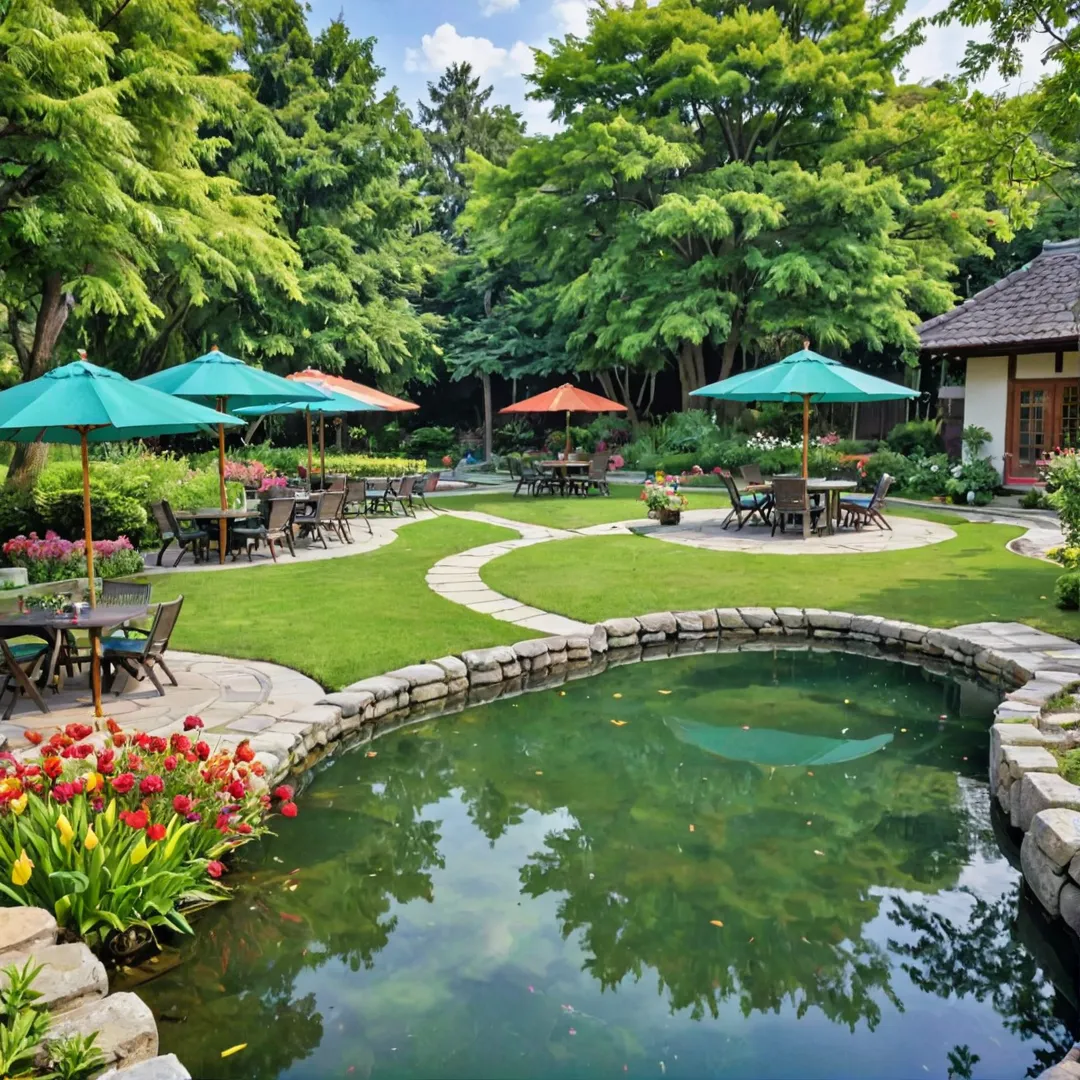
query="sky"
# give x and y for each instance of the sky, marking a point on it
(417, 39)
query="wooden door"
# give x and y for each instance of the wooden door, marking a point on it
(1034, 427)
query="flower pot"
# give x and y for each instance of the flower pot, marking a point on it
(670, 517)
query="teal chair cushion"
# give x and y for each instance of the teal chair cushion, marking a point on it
(26, 650)
(859, 500)
(130, 646)
(748, 502)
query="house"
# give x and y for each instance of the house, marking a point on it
(1019, 340)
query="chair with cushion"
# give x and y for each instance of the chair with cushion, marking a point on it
(143, 652)
(744, 507)
(860, 510)
(19, 664)
(528, 476)
(275, 527)
(171, 530)
(792, 500)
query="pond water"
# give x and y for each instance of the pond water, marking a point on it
(761, 864)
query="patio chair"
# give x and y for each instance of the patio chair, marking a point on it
(596, 477)
(402, 496)
(744, 507)
(751, 474)
(528, 475)
(19, 663)
(275, 527)
(355, 504)
(172, 531)
(379, 491)
(792, 500)
(123, 594)
(860, 510)
(141, 655)
(426, 484)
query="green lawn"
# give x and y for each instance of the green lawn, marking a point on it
(341, 619)
(971, 578)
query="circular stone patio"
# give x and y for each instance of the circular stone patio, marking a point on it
(703, 529)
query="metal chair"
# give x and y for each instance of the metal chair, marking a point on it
(791, 499)
(172, 531)
(355, 504)
(142, 656)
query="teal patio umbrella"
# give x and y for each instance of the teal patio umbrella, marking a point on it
(805, 376)
(82, 403)
(219, 380)
(334, 404)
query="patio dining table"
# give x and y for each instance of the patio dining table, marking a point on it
(214, 513)
(51, 627)
(566, 471)
(831, 489)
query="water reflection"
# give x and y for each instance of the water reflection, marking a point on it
(467, 901)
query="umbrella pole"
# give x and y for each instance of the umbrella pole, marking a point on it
(322, 450)
(222, 523)
(88, 532)
(567, 434)
(806, 436)
(307, 417)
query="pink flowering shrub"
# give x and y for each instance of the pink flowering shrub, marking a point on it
(249, 473)
(53, 558)
(271, 482)
(829, 440)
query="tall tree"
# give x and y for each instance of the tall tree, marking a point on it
(696, 207)
(102, 180)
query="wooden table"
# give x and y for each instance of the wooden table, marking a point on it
(215, 513)
(51, 627)
(565, 468)
(831, 489)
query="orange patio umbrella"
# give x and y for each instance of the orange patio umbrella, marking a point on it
(567, 398)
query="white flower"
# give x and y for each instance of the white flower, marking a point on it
(933, 468)
(956, 470)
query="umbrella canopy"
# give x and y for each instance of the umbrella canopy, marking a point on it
(215, 378)
(805, 376)
(82, 403)
(567, 398)
(367, 394)
(333, 404)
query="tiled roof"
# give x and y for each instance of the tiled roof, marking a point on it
(1037, 303)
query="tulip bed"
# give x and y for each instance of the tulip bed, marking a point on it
(127, 830)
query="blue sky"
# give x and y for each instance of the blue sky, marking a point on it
(418, 38)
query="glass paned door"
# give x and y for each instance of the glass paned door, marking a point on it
(1033, 421)
(1069, 428)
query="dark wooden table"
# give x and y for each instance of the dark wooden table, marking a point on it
(215, 513)
(831, 489)
(564, 469)
(51, 627)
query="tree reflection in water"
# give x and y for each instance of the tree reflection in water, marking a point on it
(589, 877)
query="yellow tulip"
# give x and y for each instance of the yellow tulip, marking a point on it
(139, 851)
(18, 805)
(21, 869)
(91, 840)
(94, 780)
(67, 833)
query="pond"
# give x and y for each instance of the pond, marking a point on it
(753, 864)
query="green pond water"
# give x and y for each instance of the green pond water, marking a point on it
(528, 889)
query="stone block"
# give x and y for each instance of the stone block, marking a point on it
(1069, 903)
(387, 706)
(757, 618)
(574, 643)
(867, 624)
(428, 692)
(1063, 1070)
(350, 703)
(690, 622)
(659, 622)
(23, 929)
(890, 629)
(453, 666)
(380, 687)
(792, 618)
(621, 628)
(71, 976)
(1042, 791)
(1057, 832)
(1025, 759)
(1035, 692)
(419, 674)
(730, 619)
(828, 635)
(126, 1032)
(512, 669)
(486, 677)
(829, 620)
(457, 686)
(166, 1067)
(914, 633)
(627, 642)
(319, 716)
(527, 650)
(1043, 878)
(647, 638)
(488, 659)
(598, 639)
(578, 655)
(1017, 710)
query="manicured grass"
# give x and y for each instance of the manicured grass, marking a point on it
(341, 619)
(623, 504)
(969, 579)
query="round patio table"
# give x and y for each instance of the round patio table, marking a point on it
(215, 513)
(831, 489)
(565, 469)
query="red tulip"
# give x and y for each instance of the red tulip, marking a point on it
(135, 819)
(78, 731)
(33, 737)
(135, 762)
(215, 869)
(142, 741)
(181, 744)
(288, 809)
(284, 792)
(244, 828)
(191, 723)
(182, 804)
(244, 752)
(123, 783)
(151, 785)
(119, 738)
(222, 823)
(53, 767)
(170, 763)
(155, 832)
(106, 762)
(202, 749)
(236, 789)
(113, 726)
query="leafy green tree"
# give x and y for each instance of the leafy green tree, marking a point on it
(703, 201)
(106, 207)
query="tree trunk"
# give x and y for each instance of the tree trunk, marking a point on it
(691, 373)
(622, 394)
(486, 379)
(29, 458)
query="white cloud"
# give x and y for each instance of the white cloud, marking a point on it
(446, 46)
(572, 16)
(497, 7)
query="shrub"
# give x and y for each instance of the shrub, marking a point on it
(916, 437)
(927, 475)
(358, 465)
(125, 836)
(387, 439)
(555, 440)
(1064, 470)
(431, 442)
(55, 559)
(610, 428)
(249, 473)
(1067, 591)
(974, 439)
(1035, 499)
(514, 436)
(977, 476)
(887, 461)
(1069, 557)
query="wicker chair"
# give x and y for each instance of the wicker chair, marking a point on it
(276, 527)
(142, 656)
(744, 507)
(172, 531)
(791, 499)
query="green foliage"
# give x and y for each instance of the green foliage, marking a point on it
(1064, 474)
(76, 1057)
(24, 1022)
(915, 437)
(1035, 499)
(359, 465)
(1067, 591)
(926, 476)
(114, 514)
(976, 475)
(429, 442)
(888, 461)
(514, 436)
(580, 438)
(974, 439)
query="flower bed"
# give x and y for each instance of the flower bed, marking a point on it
(54, 559)
(127, 830)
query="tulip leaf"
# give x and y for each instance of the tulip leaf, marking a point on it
(71, 881)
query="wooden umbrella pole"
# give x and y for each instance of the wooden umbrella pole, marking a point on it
(88, 532)
(567, 434)
(222, 523)
(307, 417)
(806, 436)
(322, 450)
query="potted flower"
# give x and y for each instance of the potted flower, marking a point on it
(664, 502)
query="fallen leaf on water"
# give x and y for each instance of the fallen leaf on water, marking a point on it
(847, 701)
(289, 918)
(532, 990)
(572, 1031)
(293, 888)
(816, 852)
(233, 1050)
(809, 772)
(351, 1069)
(619, 723)
(1042, 597)
(664, 691)
(810, 823)
(903, 731)
(616, 695)
(943, 717)
(715, 922)
(539, 772)
(746, 727)
(562, 693)
(844, 731)
(372, 753)
(806, 940)
(691, 828)
(750, 942)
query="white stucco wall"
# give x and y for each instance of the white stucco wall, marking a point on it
(1041, 366)
(986, 400)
